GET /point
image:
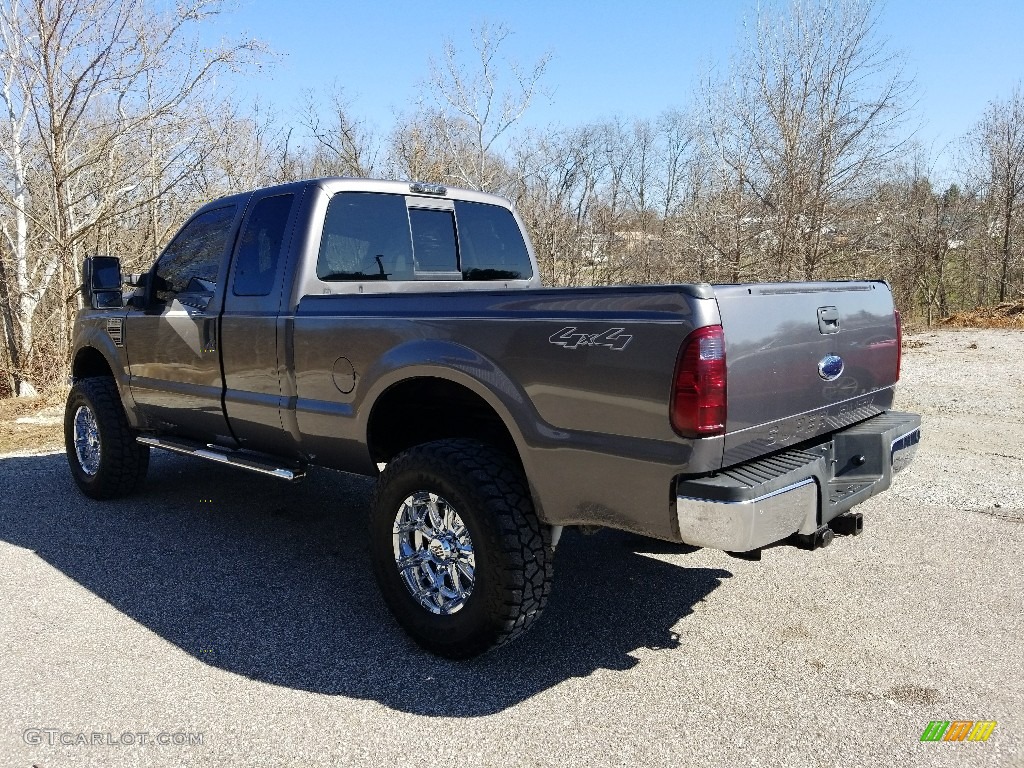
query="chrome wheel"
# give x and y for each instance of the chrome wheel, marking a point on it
(87, 440)
(461, 559)
(434, 553)
(103, 456)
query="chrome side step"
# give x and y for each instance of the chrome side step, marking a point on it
(225, 456)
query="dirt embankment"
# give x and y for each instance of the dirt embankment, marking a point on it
(1009, 314)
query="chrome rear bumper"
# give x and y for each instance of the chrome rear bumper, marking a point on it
(740, 526)
(764, 501)
(904, 449)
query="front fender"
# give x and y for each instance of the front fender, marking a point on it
(98, 340)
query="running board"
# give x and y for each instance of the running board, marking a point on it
(223, 456)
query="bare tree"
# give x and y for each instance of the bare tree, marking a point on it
(87, 82)
(996, 153)
(724, 214)
(929, 236)
(343, 145)
(479, 108)
(804, 122)
(557, 176)
(243, 147)
(676, 157)
(420, 148)
(24, 276)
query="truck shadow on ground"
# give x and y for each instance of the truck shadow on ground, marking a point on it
(273, 582)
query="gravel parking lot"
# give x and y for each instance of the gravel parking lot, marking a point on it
(235, 618)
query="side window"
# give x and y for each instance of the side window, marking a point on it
(490, 243)
(433, 240)
(365, 237)
(190, 263)
(259, 246)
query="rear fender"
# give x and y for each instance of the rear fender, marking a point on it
(465, 367)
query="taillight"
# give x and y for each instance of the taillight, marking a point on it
(698, 388)
(899, 343)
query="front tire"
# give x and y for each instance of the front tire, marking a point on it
(105, 460)
(460, 556)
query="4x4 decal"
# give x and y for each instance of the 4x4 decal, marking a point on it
(570, 338)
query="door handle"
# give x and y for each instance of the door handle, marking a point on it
(209, 334)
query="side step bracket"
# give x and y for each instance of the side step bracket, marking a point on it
(248, 461)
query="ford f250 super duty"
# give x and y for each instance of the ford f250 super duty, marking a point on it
(400, 331)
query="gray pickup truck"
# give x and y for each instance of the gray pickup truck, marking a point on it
(400, 331)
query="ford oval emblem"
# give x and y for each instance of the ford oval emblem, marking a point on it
(831, 367)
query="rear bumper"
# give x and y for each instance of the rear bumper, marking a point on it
(758, 503)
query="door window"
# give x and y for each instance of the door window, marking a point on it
(260, 245)
(188, 268)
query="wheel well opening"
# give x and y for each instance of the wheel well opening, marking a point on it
(425, 409)
(89, 364)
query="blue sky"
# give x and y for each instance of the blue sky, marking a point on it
(632, 59)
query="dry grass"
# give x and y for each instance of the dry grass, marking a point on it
(32, 423)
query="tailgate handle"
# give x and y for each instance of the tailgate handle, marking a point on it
(828, 320)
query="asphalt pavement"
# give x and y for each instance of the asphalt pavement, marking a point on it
(219, 618)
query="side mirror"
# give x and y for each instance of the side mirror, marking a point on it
(101, 282)
(140, 296)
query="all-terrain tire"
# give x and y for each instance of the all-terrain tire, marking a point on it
(510, 546)
(106, 462)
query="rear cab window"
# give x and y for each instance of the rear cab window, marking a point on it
(370, 236)
(492, 246)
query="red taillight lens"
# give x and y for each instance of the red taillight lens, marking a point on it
(698, 389)
(899, 343)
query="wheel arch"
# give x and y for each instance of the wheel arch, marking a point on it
(431, 406)
(90, 363)
(426, 390)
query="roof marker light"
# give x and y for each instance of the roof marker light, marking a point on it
(423, 188)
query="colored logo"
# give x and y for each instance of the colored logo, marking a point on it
(831, 367)
(958, 730)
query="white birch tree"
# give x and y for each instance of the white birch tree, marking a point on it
(86, 83)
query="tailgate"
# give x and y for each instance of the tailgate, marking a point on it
(803, 360)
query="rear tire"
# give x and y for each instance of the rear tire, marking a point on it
(105, 460)
(460, 556)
